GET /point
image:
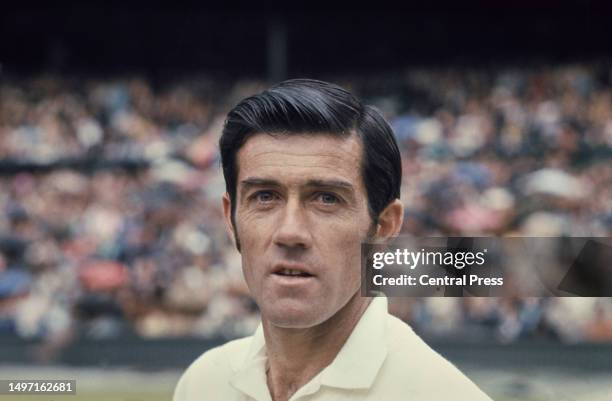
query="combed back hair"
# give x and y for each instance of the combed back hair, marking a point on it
(310, 107)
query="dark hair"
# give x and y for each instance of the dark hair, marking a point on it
(306, 106)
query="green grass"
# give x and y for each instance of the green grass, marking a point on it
(92, 396)
(143, 396)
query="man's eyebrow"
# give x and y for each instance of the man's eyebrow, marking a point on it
(259, 182)
(330, 184)
(267, 182)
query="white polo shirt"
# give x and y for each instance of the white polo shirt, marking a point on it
(382, 360)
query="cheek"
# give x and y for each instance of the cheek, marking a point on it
(252, 275)
(254, 225)
(252, 244)
(342, 252)
(347, 234)
(252, 232)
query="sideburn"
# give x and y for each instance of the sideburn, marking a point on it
(236, 239)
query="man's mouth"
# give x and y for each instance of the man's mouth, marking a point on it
(292, 273)
(294, 270)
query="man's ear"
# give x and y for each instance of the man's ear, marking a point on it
(390, 221)
(227, 214)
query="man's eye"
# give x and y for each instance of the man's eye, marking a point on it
(264, 196)
(328, 198)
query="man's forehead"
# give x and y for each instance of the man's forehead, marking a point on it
(318, 142)
(320, 155)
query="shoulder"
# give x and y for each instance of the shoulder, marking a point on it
(211, 370)
(222, 356)
(432, 377)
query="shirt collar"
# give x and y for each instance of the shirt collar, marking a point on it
(250, 369)
(355, 366)
(364, 352)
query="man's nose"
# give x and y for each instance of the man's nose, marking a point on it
(292, 230)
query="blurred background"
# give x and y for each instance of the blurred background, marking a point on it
(115, 268)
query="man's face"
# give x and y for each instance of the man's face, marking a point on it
(301, 215)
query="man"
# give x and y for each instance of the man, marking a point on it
(311, 173)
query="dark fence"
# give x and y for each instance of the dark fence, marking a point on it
(178, 353)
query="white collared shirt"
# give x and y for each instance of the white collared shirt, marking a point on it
(382, 360)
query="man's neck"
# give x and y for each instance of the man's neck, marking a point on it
(295, 356)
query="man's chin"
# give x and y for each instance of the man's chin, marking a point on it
(292, 317)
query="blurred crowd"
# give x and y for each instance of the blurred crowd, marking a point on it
(110, 213)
